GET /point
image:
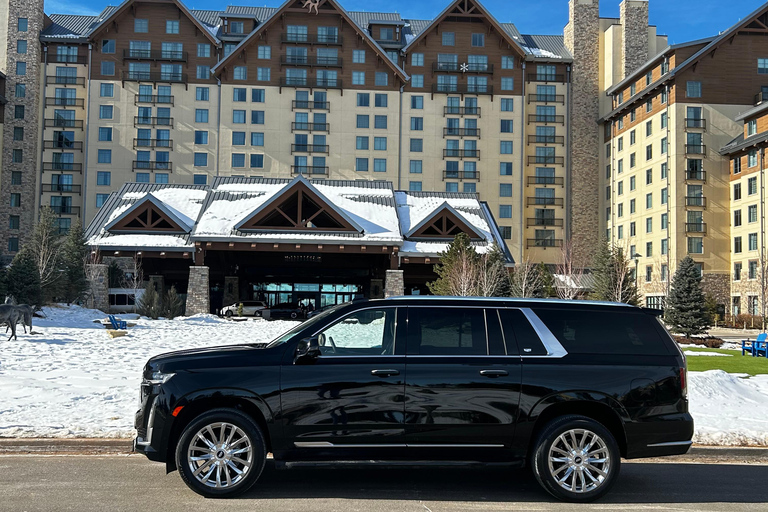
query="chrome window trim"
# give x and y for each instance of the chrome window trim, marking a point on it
(550, 342)
(325, 444)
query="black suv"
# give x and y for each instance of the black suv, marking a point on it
(567, 387)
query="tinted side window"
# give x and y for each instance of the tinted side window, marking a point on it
(601, 332)
(495, 337)
(368, 332)
(519, 335)
(446, 331)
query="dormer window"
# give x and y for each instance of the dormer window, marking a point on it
(237, 27)
(386, 34)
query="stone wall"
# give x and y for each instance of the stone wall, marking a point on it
(98, 293)
(394, 285)
(582, 37)
(198, 291)
(634, 39)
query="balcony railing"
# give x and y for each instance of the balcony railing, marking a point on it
(152, 121)
(63, 144)
(152, 165)
(310, 148)
(545, 77)
(545, 201)
(155, 99)
(311, 127)
(62, 166)
(540, 159)
(695, 149)
(700, 201)
(693, 122)
(154, 76)
(461, 89)
(455, 67)
(63, 123)
(311, 61)
(64, 102)
(696, 175)
(67, 59)
(461, 111)
(546, 118)
(546, 139)
(65, 80)
(546, 98)
(62, 187)
(311, 105)
(541, 221)
(761, 97)
(461, 153)
(543, 242)
(135, 54)
(546, 180)
(320, 83)
(461, 175)
(65, 209)
(461, 132)
(695, 227)
(332, 40)
(309, 169)
(152, 143)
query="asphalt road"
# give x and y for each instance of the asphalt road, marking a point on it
(131, 483)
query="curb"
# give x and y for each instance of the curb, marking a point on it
(728, 452)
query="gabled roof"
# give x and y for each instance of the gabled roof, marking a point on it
(181, 222)
(467, 226)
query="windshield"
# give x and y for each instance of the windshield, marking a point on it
(303, 325)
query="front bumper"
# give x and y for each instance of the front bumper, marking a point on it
(150, 426)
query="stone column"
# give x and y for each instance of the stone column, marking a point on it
(198, 291)
(98, 298)
(394, 284)
(231, 290)
(634, 37)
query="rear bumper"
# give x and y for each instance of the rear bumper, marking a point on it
(660, 436)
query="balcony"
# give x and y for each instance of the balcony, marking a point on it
(63, 123)
(152, 121)
(310, 148)
(542, 159)
(461, 175)
(461, 111)
(455, 67)
(543, 242)
(65, 102)
(65, 209)
(319, 83)
(63, 144)
(311, 61)
(461, 89)
(543, 221)
(311, 127)
(695, 149)
(695, 227)
(65, 80)
(153, 76)
(461, 132)
(547, 98)
(62, 187)
(62, 166)
(135, 54)
(545, 201)
(761, 97)
(461, 153)
(698, 201)
(151, 165)
(546, 119)
(311, 105)
(309, 170)
(152, 143)
(546, 180)
(67, 59)
(546, 139)
(695, 175)
(546, 77)
(693, 122)
(154, 99)
(328, 40)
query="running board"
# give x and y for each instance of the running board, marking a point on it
(324, 444)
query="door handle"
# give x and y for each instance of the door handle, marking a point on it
(494, 373)
(385, 373)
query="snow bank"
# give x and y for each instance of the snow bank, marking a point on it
(692, 353)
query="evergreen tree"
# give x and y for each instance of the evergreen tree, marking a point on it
(149, 304)
(24, 280)
(115, 275)
(602, 272)
(457, 270)
(624, 278)
(172, 305)
(686, 305)
(74, 252)
(547, 282)
(44, 247)
(613, 279)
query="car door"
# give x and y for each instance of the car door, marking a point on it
(352, 394)
(462, 387)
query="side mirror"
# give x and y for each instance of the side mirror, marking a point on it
(307, 351)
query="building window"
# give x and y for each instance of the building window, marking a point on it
(238, 159)
(505, 168)
(200, 179)
(506, 126)
(693, 89)
(505, 211)
(478, 40)
(507, 62)
(506, 232)
(362, 121)
(106, 111)
(381, 100)
(105, 134)
(263, 74)
(358, 78)
(648, 152)
(380, 122)
(240, 73)
(417, 81)
(21, 68)
(417, 145)
(15, 199)
(752, 213)
(265, 52)
(414, 186)
(379, 165)
(417, 102)
(737, 218)
(203, 72)
(107, 90)
(238, 138)
(507, 104)
(238, 116)
(14, 221)
(751, 186)
(363, 99)
(358, 56)
(752, 266)
(257, 95)
(22, 24)
(415, 166)
(648, 249)
(505, 147)
(751, 127)
(13, 244)
(107, 68)
(239, 94)
(201, 137)
(737, 244)
(17, 156)
(649, 225)
(449, 39)
(18, 111)
(15, 177)
(104, 178)
(649, 201)
(361, 143)
(201, 159)
(736, 191)
(762, 66)
(382, 79)
(752, 158)
(696, 245)
(257, 161)
(380, 143)
(21, 90)
(505, 190)
(140, 26)
(142, 177)
(752, 240)
(104, 156)
(507, 84)
(203, 50)
(21, 46)
(361, 164)
(172, 26)
(417, 123)
(257, 117)
(161, 177)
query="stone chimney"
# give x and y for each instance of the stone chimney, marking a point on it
(634, 39)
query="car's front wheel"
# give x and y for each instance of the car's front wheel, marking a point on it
(228, 313)
(576, 459)
(221, 453)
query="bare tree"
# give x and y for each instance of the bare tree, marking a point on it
(571, 272)
(44, 247)
(526, 279)
(90, 260)
(462, 279)
(134, 276)
(492, 274)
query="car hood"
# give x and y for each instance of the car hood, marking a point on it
(209, 357)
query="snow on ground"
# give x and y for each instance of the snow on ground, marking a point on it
(70, 379)
(692, 353)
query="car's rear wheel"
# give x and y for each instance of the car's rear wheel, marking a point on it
(294, 315)
(221, 453)
(576, 459)
(228, 313)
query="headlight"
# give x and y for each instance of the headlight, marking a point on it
(158, 378)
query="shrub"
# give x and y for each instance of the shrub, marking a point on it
(172, 305)
(149, 304)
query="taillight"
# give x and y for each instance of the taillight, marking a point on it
(684, 382)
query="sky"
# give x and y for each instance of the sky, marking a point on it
(681, 20)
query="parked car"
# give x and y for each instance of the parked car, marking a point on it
(567, 388)
(250, 308)
(286, 310)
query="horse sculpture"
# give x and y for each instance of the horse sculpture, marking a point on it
(11, 315)
(27, 312)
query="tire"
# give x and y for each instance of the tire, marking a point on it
(557, 452)
(240, 433)
(228, 313)
(294, 315)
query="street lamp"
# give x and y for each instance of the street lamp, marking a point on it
(637, 257)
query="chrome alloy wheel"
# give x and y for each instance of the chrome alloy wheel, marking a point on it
(220, 455)
(579, 460)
